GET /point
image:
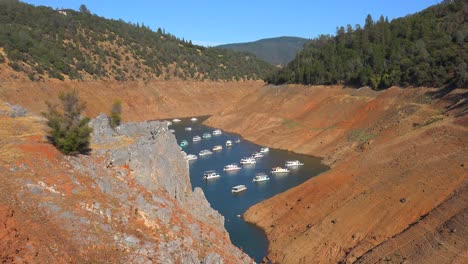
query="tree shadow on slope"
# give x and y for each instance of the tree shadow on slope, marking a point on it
(457, 102)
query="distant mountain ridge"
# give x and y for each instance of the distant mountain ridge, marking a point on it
(280, 50)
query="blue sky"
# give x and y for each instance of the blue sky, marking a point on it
(213, 22)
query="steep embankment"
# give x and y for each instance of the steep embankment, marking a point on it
(140, 100)
(397, 187)
(130, 201)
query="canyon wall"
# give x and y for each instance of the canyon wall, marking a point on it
(140, 100)
(129, 201)
(396, 191)
(397, 188)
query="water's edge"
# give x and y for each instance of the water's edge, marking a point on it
(243, 234)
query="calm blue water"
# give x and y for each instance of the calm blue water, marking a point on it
(246, 236)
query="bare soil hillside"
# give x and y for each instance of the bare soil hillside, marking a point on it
(397, 190)
(140, 100)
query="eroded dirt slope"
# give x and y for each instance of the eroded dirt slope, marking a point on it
(140, 100)
(105, 207)
(397, 188)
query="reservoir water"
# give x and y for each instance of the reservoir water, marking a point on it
(246, 236)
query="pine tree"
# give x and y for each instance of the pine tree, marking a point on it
(69, 132)
(84, 9)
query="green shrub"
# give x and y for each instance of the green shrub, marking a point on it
(116, 113)
(289, 123)
(69, 131)
(31, 76)
(15, 66)
(360, 135)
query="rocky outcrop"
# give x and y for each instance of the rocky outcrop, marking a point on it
(154, 161)
(13, 110)
(130, 201)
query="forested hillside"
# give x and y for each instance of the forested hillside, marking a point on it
(276, 51)
(66, 44)
(424, 49)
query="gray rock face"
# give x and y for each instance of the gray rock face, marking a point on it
(155, 161)
(213, 258)
(14, 111)
(18, 111)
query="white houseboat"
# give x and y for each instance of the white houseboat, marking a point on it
(205, 152)
(211, 174)
(257, 155)
(248, 160)
(238, 188)
(293, 163)
(191, 157)
(279, 170)
(231, 167)
(217, 148)
(264, 150)
(259, 177)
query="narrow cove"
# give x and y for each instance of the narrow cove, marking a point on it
(246, 236)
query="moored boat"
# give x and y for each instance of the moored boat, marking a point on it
(217, 132)
(259, 177)
(205, 152)
(188, 129)
(257, 155)
(211, 174)
(238, 188)
(279, 170)
(217, 148)
(248, 160)
(191, 157)
(196, 138)
(206, 135)
(193, 119)
(232, 167)
(228, 143)
(175, 120)
(293, 163)
(264, 150)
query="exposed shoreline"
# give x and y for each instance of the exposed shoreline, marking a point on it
(398, 149)
(384, 139)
